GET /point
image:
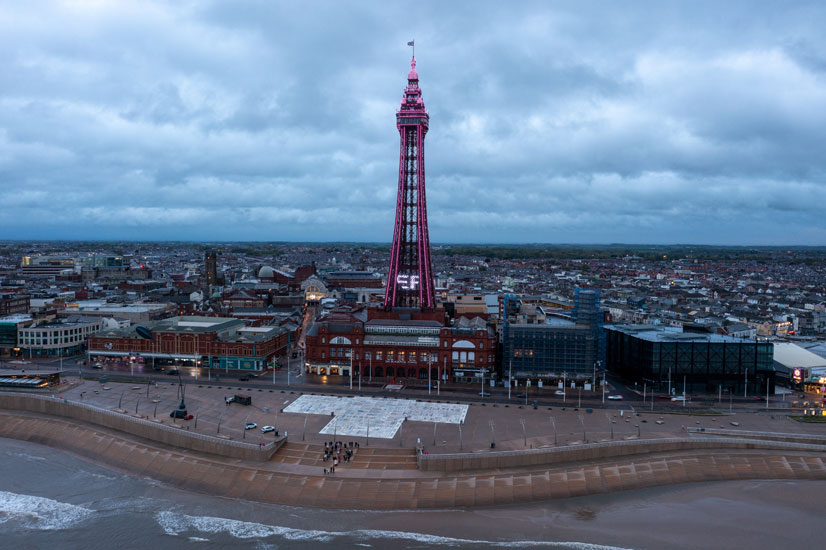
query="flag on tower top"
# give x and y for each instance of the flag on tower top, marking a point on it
(411, 43)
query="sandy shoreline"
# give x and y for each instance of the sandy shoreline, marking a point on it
(759, 515)
(733, 514)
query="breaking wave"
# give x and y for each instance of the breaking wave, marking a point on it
(40, 513)
(175, 524)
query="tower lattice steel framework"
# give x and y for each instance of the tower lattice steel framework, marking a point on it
(410, 279)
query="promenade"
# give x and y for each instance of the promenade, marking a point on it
(386, 473)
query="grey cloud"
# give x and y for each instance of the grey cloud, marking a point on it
(564, 122)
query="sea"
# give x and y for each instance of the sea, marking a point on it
(51, 499)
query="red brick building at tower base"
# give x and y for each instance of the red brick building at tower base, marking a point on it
(400, 345)
(409, 337)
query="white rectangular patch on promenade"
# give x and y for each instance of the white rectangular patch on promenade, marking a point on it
(354, 416)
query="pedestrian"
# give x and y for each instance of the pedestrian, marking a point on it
(325, 471)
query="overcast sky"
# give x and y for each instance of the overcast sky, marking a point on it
(549, 122)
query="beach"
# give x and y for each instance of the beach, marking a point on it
(49, 498)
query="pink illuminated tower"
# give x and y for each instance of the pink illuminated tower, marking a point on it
(410, 279)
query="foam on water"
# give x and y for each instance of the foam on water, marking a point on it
(40, 513)
(174, 524)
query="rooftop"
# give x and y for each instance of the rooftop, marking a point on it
(653, 333)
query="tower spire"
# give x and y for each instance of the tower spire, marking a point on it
(410, 277)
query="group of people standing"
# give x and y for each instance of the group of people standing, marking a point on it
(337, 451)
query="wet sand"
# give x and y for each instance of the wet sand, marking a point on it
(759, 515)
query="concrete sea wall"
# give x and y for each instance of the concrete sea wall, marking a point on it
(146, 429)
(590, 452)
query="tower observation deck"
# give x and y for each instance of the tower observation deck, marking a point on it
(410, 278)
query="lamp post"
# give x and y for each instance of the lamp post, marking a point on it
(438, 376)
(428, 389)
(220, 418)
(746, 385)
(510, 379)
(444, 374)
(244, 433)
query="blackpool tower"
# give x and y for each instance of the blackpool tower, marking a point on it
(410, 279)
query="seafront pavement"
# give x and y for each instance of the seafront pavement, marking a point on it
(512, 426)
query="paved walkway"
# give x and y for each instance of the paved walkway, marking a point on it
(501, 424)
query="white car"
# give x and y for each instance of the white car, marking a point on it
(559, 392)
(267, 429)
(679, 398)
(617, 397)
(250, 426)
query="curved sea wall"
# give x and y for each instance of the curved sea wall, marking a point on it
(591, 452)
(138, 427)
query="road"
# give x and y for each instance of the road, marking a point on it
(295, 379)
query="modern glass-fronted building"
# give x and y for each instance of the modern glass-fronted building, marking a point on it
(554, 351)
(707, 362)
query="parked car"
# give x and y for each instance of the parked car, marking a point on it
(243, 378)
(172, 372)
(267, 429)
(484, 394)
(615, 397)
(250, 426)
(97, 366)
